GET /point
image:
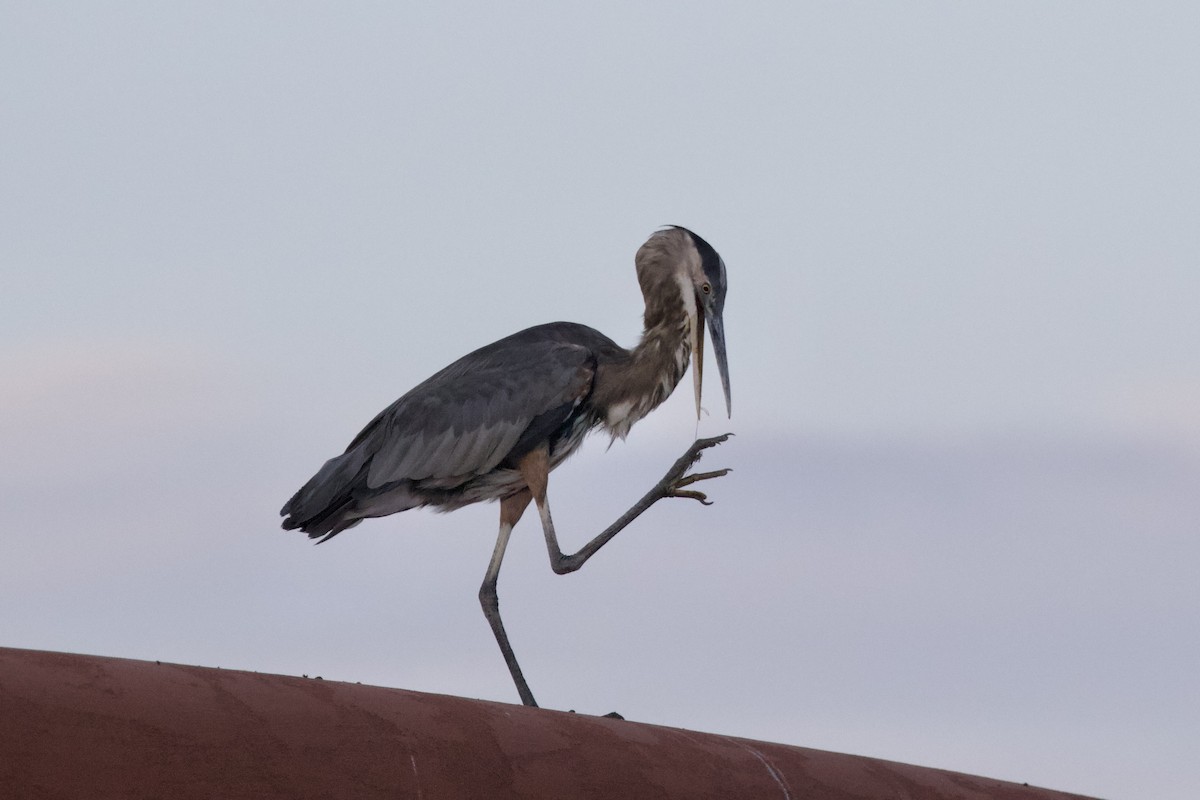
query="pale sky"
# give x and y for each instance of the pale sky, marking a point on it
(964, 268)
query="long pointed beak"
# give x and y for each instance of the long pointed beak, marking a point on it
(716, 328)
(697, 362)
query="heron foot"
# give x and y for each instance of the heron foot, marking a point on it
(677, 477)
(677, 490)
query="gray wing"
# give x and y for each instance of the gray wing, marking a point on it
(462, 422)
(467, 418)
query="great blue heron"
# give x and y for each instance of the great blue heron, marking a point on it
(494, 423)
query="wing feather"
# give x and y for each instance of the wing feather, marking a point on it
(466, 419)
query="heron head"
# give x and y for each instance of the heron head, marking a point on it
(703, 274)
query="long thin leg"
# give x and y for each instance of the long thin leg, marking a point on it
(535, 469)
(511, 509)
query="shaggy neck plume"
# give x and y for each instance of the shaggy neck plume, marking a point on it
(639, 382)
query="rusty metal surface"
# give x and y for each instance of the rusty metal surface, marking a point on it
(75, 726)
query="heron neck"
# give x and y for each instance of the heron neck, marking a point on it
(640, 382)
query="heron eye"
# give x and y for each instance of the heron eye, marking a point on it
(706, 288)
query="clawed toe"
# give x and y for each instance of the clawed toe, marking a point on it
(687, 480)
(704, 444)
(676, 489)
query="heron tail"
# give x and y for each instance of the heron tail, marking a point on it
(321, 506)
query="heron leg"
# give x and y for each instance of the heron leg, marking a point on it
(535, 468)
(511, 509)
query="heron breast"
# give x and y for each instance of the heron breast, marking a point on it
(618, 416)
(621, 416)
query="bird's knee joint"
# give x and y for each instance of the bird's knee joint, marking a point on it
(564, 566)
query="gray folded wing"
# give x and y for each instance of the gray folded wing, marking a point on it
(461, 423)
(467, 418)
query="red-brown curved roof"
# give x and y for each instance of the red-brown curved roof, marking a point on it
(75, 726)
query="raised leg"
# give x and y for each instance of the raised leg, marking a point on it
(511, 509)
(535, 469)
